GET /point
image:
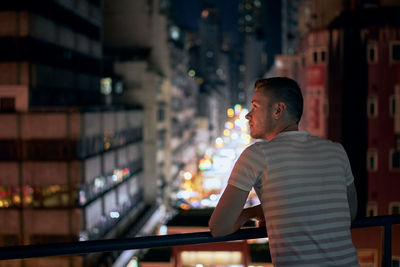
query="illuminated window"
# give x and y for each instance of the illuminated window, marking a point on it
(372, 160)
(372, 106)
(372, 52)
(394, 208)
(372, 209)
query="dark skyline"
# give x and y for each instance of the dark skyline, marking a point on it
(188, 14)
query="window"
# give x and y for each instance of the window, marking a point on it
(395, 52)
(372, 52)
(319, 56)
(372, 160)
(315, 57)
(161, 114)
(161, 139)
(372, 106)
(394, 208)
(395, 261)
(372, 209)
(7, 104)
(392, 105)
(323, 56)
(394, 160)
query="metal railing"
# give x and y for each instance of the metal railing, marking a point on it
(145, 242)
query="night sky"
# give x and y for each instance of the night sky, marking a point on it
(188, 14)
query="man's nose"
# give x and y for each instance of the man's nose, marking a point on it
(248, 116)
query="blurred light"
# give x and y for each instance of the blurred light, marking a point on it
(228, 125)
(219, 142)
(174, 33)
(126, 172)
(237, 108)
(234, 136)
(211, 258)
(184, 206)
(204, 14)
(279, 63)
(187, 175)
(107, 145)
(114, 214)
(105, 86)
(238, 123)
(163, 230)
(200, 80)
(230, 112)
(16, 199)
(83, 236)
(185, 194)
(205, 202)
(99, 182)
(209, 152)
(82, 197)
(119, 87)
(212, 183)
(214, 197)
(227, 132)
(243, 113)
(133, 262)
(205, 164)
(191, 73)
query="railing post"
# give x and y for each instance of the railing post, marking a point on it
(387, 246)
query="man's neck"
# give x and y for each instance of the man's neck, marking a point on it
(285, 128)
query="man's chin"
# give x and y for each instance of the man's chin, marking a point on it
(254, 135)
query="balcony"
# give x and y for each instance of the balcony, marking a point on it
(146, 242)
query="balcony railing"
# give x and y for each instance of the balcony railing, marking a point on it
(85, 247)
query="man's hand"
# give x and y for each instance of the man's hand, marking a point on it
(255, 213)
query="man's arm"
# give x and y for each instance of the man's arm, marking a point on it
(352, 199)
(229, 214)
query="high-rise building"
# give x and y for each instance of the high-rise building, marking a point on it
(71, 168)
(363, 83)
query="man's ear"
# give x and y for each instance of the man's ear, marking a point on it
(279, 108)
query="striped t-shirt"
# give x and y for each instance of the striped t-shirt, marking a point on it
(301, 181)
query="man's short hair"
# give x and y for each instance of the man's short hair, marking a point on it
(284, 90)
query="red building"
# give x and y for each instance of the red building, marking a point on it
(312, 77)
(363, 84)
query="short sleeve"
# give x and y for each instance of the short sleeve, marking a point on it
(247, 168)
(347, 168)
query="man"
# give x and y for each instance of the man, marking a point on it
(304, 183)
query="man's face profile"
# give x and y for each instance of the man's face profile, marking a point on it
(260, 117)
